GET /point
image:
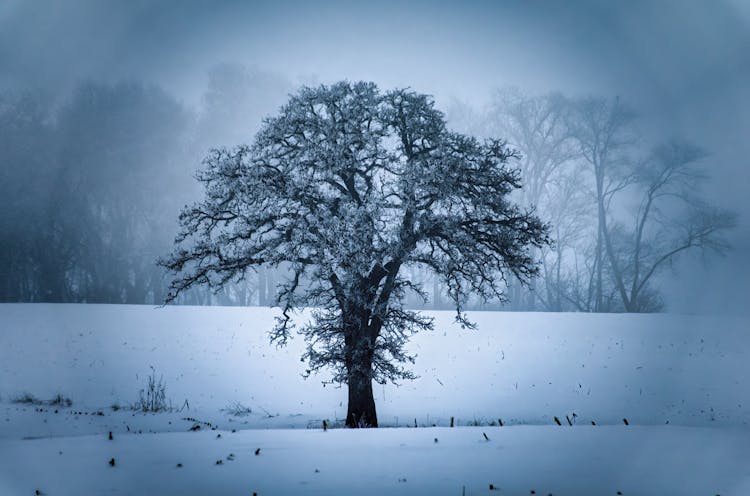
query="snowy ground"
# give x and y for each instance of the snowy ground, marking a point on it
(681, 381)
(574, 461)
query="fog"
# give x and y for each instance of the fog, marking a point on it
(683, 67)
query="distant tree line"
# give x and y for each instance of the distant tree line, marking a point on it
(90, 184)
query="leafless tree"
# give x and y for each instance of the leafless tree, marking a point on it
(349, 186)
(536, 126)
(670, 219)
(602, 129)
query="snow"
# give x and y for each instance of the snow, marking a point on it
(680, 381)
(573, 461)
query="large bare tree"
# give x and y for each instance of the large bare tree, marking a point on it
(348, 186)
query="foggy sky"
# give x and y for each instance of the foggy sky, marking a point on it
(684, 64)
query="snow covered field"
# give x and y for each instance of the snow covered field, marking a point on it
(681, 381)
(573, 461)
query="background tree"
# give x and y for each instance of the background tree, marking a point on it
(581, 170)
(87, 181)
(567, 207)
(603, 131)
(121, 150)
(536, 126)
(32, 267)
(670, 219)
(348, 186)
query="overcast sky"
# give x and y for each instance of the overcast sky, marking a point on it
(684, 64)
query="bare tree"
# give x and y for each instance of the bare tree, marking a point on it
(349, 186)
(536, 126)
(603, 131)
(670, 219)
(567, 207)
(579, 171)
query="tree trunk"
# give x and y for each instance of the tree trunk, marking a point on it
(359, 343)
(361, 410)
(601, 212)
